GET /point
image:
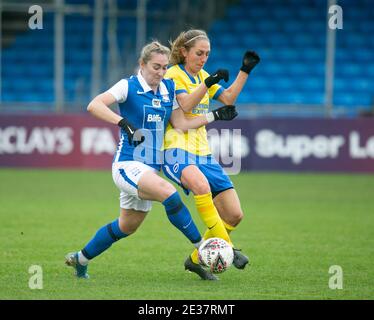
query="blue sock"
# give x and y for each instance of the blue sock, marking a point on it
(103, 239)
(180, 217)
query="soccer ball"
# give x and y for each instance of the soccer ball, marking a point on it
(216, 254)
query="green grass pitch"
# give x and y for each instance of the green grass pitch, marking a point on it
(296, 227)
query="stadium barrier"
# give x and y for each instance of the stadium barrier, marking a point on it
(81, 141)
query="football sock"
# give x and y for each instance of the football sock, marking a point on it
(208, 233)
(83, 261)
(195, 256)
(102, 240)
(209, 214)
(180, 217)
(228, 227)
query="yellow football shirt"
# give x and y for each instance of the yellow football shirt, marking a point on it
(195, 140)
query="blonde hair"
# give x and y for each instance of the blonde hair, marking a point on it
(153, 47)
(187, 40)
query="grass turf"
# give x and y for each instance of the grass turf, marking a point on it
(296, 226)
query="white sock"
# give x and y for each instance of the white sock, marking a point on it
(197, 244)
(83, 261)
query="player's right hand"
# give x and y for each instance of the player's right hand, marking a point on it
(131, 133)
(216, 77)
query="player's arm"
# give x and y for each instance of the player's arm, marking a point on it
(188, 101)
(100, 108)
(229, 95)
(180, 121)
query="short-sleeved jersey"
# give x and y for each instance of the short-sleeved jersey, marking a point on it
(194, 141)
(147, 111)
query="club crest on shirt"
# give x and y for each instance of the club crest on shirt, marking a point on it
(156, 103)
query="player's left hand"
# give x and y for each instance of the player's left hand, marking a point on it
(217, 77)
(250, 60)
(226, 113)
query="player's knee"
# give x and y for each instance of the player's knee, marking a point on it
(130, 230)
(127, 227)
(195, 180)
(236, 217)
(167, 190)
(200, 187)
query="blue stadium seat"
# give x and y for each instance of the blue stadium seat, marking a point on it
(349, 70)
(251, 40)
(363, 55)
(240, 25)
(235, 13)
(369, 72)
(311, 84)
(291, 26)
(313, 54)
(343, 98)
(278, 40)
(273, 69)
(227, 40)
(258, 83)
(284, 84)
(316, 98)
(298, 69)
(217, 28)
(289, 37)
(359, 84)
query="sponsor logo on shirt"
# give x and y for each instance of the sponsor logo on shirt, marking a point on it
(200, 109)
(154, 118)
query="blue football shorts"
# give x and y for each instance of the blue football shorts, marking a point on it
(175, 160)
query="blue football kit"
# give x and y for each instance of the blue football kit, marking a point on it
(147, 111)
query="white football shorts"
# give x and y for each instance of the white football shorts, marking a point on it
(126, 175)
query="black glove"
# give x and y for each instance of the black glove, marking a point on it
(130, 131)
(216, 77)
(250, 60)
(226, 113)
